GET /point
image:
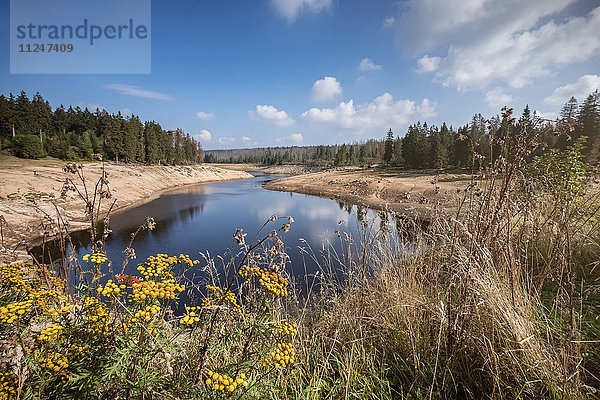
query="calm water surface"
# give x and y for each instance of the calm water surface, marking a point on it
(204, 217)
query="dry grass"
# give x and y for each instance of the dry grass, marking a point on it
(494, 304)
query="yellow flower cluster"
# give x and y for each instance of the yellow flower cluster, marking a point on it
(111, 289)
(51, 333)
(12, 312)
(96, 258)
(224, 383)
(218, 298)
(12, 276)
(76, 350)
(55, 362)
(55, 313)
(8, 385)
(285, 328)
(159, 265)
(96, 314)
(191, 317)
(270, 281)
(146, 314)
(283, 355)
(165, 289)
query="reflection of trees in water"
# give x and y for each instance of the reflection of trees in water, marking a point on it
(361, 213)
(408, 228)
(384, 223)
(166, 212)
(347, 207)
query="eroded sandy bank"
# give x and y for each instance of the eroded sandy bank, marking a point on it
(30, 192)
(404, 193)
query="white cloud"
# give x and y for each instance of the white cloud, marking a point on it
(131, 90)
(428, 64)
(497, 98)
(125, 111)
(548, 115)
(490, 41)
(585, 85)
(435, 24)
(271, 115)
(389, 22)
(291, 8)
(326, 88)
(204, 136)
(382, 112)
(204, 115)
(367, 65)
(294, 138)
(226, 140)
(247, 141)
(427, 108)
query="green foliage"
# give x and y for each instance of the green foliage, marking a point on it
(76, 134)
(119, 337)
(388, 153)
(29, 146)
(560, 173)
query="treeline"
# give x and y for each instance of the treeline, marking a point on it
(29, 128)
(367, 152)
(424, 146)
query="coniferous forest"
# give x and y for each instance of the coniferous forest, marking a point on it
(29, 128)
(425, 146)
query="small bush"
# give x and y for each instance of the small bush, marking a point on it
(29, 146)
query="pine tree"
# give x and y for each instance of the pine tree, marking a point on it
(388, 153)
(588, 124)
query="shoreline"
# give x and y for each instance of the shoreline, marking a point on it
(405, 193)
(30, 195)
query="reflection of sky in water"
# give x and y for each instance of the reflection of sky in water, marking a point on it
(202, 218)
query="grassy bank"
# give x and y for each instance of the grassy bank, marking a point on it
(498, 302)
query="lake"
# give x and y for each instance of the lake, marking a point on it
(204, 217)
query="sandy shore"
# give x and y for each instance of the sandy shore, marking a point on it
(29, 200)
(404, 193)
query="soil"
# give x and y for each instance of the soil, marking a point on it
(32, 195)
(415, 194)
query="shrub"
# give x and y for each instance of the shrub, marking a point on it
(29, 146)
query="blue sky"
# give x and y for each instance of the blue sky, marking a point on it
(285, 72)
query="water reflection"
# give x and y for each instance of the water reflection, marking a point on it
(201, 218)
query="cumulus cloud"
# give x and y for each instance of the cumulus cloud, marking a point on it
(436, 24)
(204, 136)
(367, 65)
(426, 109)
(131, 90)
(489, 41)
(247, 141)
(382, 112)
(428, 64)
(498, 98)
(204, 115)
(226, 140)
(326, 89)
(294, 138)
(585, 85)
(271, 115)
(291, 8)
(125, 111)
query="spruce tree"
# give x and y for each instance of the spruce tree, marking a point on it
(389, 147)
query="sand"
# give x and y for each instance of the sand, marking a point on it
(30, 193)
(414, 194)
